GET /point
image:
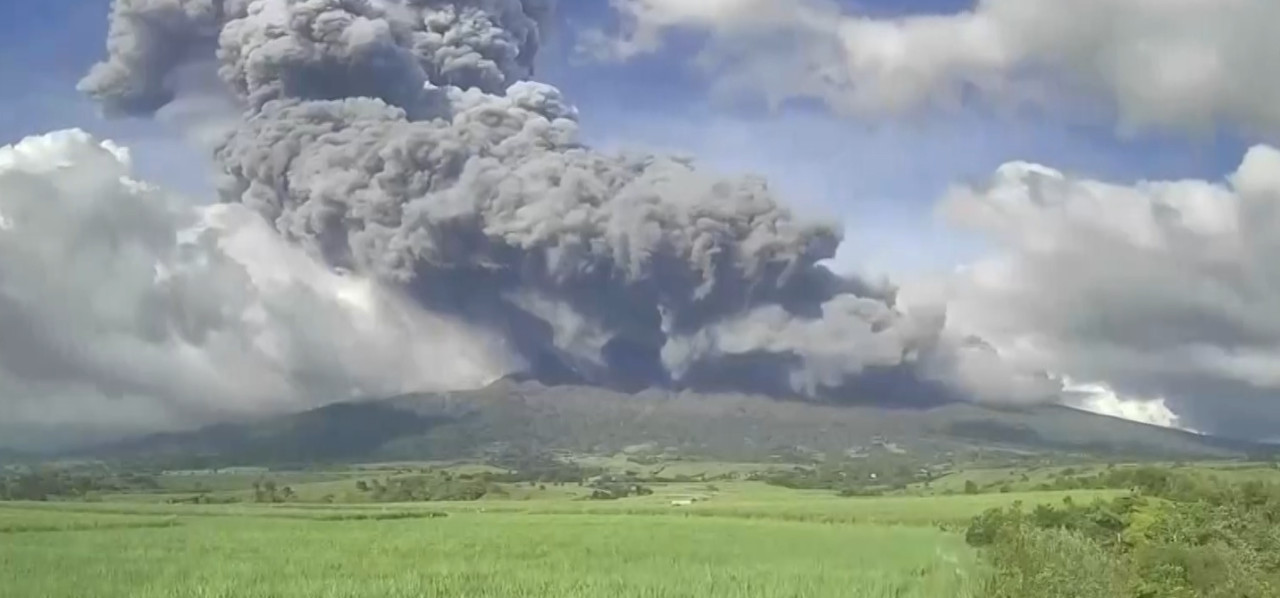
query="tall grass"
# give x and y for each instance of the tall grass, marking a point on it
(16, 521)
(491, 555)
(1052, 563)
(748, 540)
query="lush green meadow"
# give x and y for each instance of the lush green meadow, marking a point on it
(740, 539)
(334, 537)
(253, 552)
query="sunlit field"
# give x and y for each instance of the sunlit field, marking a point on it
(334, 537)
(741, 539)
(479, 555)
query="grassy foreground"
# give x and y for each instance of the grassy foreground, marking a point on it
(704, 539)
(256, 554)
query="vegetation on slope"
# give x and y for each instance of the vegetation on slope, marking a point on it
(731, 427)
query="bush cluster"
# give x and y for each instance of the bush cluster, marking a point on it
(1173, 536)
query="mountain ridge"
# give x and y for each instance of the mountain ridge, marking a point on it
(528, 414)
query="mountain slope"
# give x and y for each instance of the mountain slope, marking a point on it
(587, 419)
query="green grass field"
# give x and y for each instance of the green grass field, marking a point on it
(744, 539)
(487, 555)
(737, 539)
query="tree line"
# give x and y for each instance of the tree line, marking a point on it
(54, 484)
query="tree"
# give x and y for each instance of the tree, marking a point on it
(970, 487)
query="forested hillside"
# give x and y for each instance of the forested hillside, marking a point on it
(536, 418)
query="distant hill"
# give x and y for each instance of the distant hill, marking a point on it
(9, 457)
(587, 419)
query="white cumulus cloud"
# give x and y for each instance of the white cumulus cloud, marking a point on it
(1162, 289)
(1185, 64)
(130, 308)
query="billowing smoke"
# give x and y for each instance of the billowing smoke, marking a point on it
(404, 139)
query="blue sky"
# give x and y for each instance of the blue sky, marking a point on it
(45, 47)
(881, 180)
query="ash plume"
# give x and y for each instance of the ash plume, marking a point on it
(405, 139)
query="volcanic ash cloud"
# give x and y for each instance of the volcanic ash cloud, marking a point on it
(405, 141)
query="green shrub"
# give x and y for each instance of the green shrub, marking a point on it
(1051, 563)
(1176, 536)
